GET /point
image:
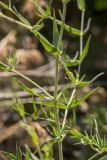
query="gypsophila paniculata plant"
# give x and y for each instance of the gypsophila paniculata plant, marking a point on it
(54, 103)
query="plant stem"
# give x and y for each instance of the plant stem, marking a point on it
(66, 111)
(56, 82)
(15, 21)
(40, 153)
(79, 67)
(35, 84)
(95, 156)
(81, 37)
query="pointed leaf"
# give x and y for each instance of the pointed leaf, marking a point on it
(4, 67)
(69, 29)
(85, 51)
(84, 83)
(69, 74)
(26, 88)
(51, 104)
(79, 101)
(75, 133)
(63, 91)
(46, 44)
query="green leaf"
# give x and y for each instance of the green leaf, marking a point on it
(3, 5)
(24, 20)
(4, 67)
(69, 74)
(55, 32)
(84, 83)
(46, 44)
(30, 129)
(81, 4)
(51, 104)
(26, 88)
(75, 133)
(63, 91)
(79, 101)
(85, 51)
(19, 107)
(38, 6)
(38, 27)
(69, 29)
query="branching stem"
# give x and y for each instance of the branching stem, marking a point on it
(56, 81)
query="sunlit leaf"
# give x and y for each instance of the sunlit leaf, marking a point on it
(81, 4)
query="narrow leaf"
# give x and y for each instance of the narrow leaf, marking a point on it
(84, 83)
(46, 44)
(79, 101)
(63, 91)
(69, 29)
(69, 74)
(75, 133)
(26, 88)
(51, 104)
(85, 51)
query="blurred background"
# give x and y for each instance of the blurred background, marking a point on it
(35, 63)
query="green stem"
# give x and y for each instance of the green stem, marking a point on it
(66, 111)
(56, 82)
(15, 21)
(95, 156)
(81, 37)
(35, 84)
(39, 152)
(79, 67)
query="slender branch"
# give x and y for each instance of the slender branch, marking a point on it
(66, 111)
(56, 81)
(81, 37)
(95, 156)
(79, 67)
(35, 84)
(15, 21)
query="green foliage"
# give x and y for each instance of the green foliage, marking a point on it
(82, 99)
(48, 104)
(81, 4)
(17, 156)
(19, 107)
(85, 51)
(94, 140)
